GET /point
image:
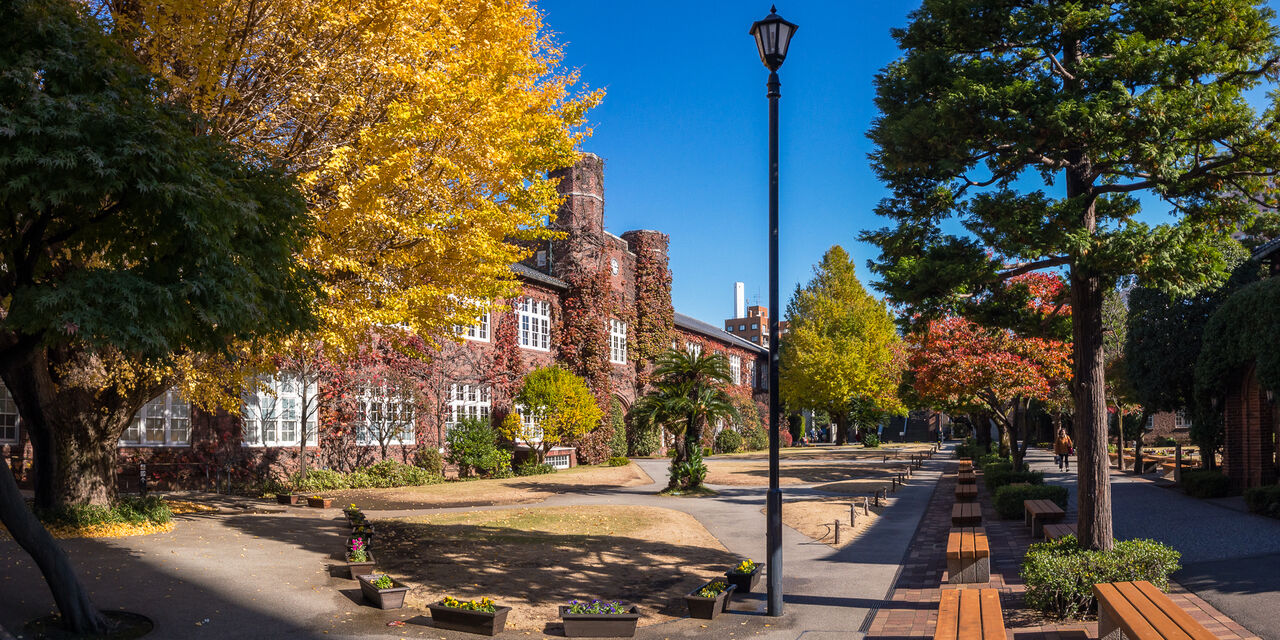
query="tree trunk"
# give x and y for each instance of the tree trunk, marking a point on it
(981, 432)
(77, 610)
(1020, 436)
(1005, 447)
(1094, 529)
(841, 425)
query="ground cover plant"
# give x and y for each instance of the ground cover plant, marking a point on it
(382, 475)
(605, 607)
(483, 604)
(1060, 574)
(128, 516)
(713, 589)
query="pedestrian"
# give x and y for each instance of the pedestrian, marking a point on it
(1063, 448)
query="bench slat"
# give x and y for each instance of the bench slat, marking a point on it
(954, 542)
(1151, 611)
(992, 616)
(981, 547)
(1124, 613)
(970, 614)
(1175, 613)
(948, 616)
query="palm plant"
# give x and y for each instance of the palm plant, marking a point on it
(688, 394)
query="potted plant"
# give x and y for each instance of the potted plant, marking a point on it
(363, 530)
(473, 616)
(381, 591)
(353, 513)
(745, 577)
(599, 619)
(359, 558)
(707, 601)
(290, 498)
(319, 502)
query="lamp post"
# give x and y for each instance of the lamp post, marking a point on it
(773, 35)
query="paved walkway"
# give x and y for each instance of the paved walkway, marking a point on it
(263, 573)
(1230, 558)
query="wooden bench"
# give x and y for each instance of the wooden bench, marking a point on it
(968, 556)
(966, 514)
(970, 614)
(966, 464)
(966, 492)
(966, 477)
(1040, 512)
(1138, 610)
(1055, 531)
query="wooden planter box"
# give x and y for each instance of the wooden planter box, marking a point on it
(290, 499)
(320, 503)
(599, 625)
(745, 582)
(392, 598)
(707, 608)
(360, 568)
(483, 623)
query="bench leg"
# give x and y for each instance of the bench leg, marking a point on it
(1107, 627)
(955, 571)
(982, 570)
(968, 570)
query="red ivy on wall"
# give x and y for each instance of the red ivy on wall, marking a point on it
(655, 317)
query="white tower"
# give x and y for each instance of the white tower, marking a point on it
(739, 300)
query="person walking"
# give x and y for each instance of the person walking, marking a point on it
(1063, 447)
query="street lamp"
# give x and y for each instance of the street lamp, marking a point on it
(773, 35)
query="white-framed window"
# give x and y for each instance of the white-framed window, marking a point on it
(530, 427)
(735, 369)
(535, 324)
(559, 460)
(273, 416)
(9, 418)
(1181, 420)
(751, 372)
(617, 341)
(693, 348)
(386, 413)
(675, 344)
(478, 331)
(755, 325)
(468, 400)
(729, 328)
(742, 327)
(163, 422)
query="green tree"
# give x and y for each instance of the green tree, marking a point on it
(127, 242)
(560, 405)
(1098, 101)
(689, 393)
(842, 349)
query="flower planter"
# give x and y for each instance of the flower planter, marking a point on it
(599, 625)
(392, 598)
(290, 498)
(368, 541)
(483, 623)
(707, 608)
(356, 520)
(745, 582)
(360, 568)
(320, 503)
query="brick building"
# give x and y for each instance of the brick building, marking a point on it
(591, 299)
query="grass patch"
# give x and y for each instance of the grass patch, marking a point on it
(695, 492)
(130, 516)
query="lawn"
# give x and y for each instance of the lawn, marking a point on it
(535, 558)
(900, 451)
(504, 491)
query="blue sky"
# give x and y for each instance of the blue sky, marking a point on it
(683, 132)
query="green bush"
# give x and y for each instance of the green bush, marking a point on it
(1060, 575)
(473, 448)
(617, 419)
(755, 439)
(1008, 500)
(531, 467)
(644, 441)
(996, 476)
(1164, 441)
(429, 459)
(318, 480)
(969, 450)
(618, 461)
(870, 440)
(1202, 483)
(987, 459)
(691, 473)
(382, 475)
(130, 510)
(729, 440)
(1264, 500)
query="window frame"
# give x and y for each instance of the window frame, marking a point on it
(139, 423)
(282, 391)
(531, 431)
(462, 398)
(617, 341)
(384, 397)
(6, 401)
(533, 321)
(478, 332)
(735, 368)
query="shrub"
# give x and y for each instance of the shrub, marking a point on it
(784, 439)
(1202, 483)
(996, 476)
(1164, 441)
(967, 450)
(1060, 575)
(473, 448)
(617, 442)
(390, 473)
(870, 440)
(618, 461)
(429, 459)
(1264, 500)
(318, 480)
(644, 441)
(531, 467)
(728, 441)
(691, 473)
(130, 510)
(987, 459)
(755, 439)
(1008, 499)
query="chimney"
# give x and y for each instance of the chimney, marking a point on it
(739, 300)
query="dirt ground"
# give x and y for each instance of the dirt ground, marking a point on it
(756, 474)
(846, 452)
(536, 558)
(475, 493)
(814, 517)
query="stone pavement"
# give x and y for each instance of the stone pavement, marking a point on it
(911, 609)
(264, 572)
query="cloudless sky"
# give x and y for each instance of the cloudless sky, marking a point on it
(683, 131)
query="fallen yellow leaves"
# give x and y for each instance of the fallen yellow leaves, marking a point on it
(118, 530)
(179, 507)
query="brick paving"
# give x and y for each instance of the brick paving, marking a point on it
(911, 610)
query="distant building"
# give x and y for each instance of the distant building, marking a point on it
(753, 326)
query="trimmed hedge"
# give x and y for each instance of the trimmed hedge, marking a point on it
(1202, 483)
(1008, 499)
(967, 450)
(728, 441)
(1060, 575)
(996, 476)
(1264, 500)
(986, 460)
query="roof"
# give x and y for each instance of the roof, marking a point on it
(1266, 249)
(525, 271)
(711, 331)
